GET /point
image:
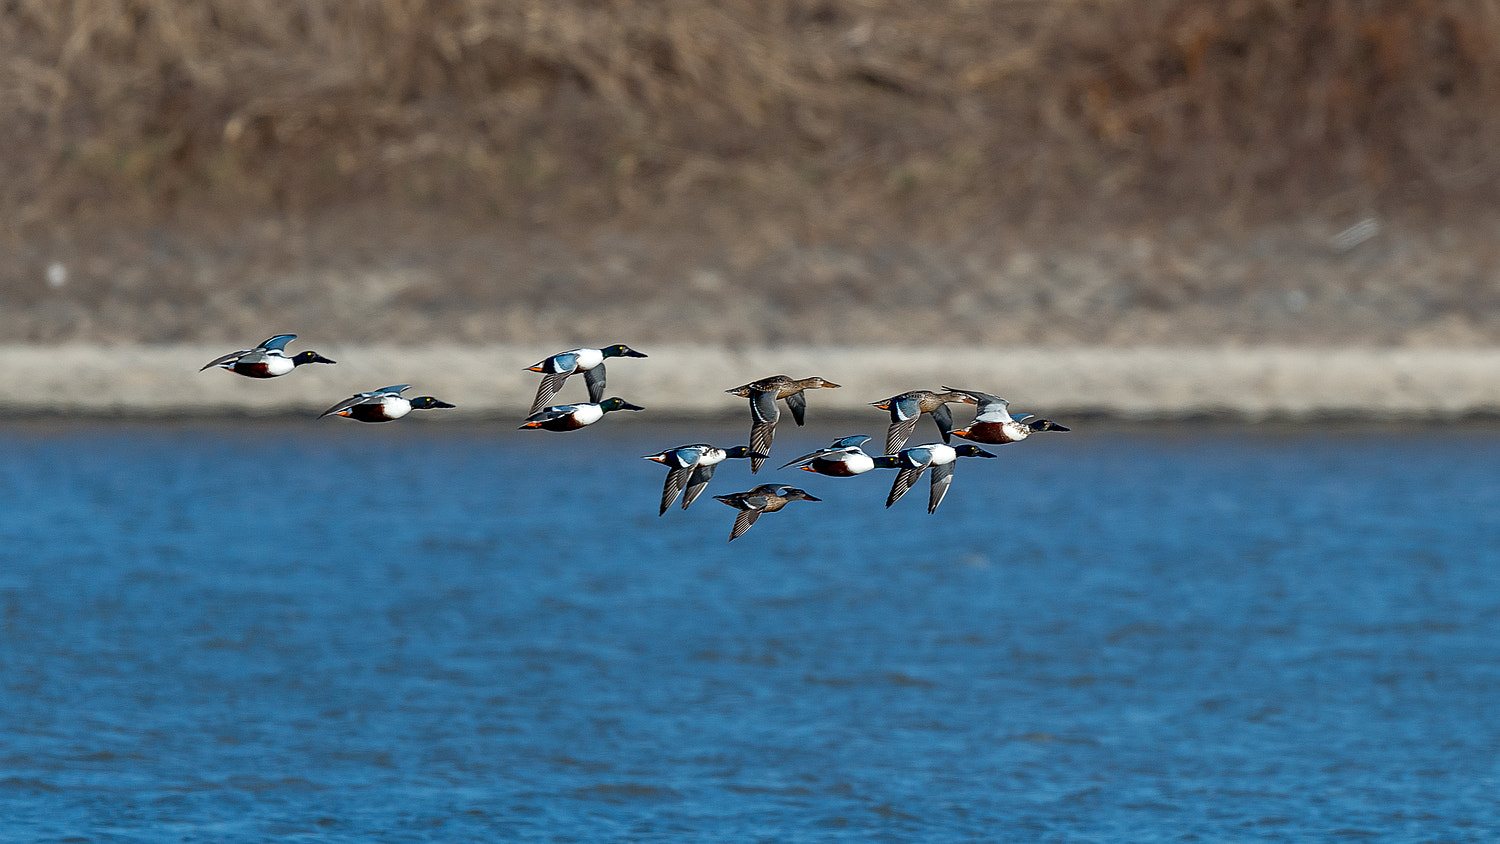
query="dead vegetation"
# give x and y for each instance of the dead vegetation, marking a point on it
(378, 167)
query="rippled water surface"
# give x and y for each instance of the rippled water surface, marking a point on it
(252, 632)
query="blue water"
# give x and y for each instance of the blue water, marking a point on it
(298, 632)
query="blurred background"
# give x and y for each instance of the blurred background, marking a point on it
(750, 172)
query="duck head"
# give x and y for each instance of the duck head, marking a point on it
(620, 350)
(309, 357)
(618, 403)
(743, 451)
(427, 403)
(1046, 425)
(969, 450)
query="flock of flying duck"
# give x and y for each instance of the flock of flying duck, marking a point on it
(690, 467)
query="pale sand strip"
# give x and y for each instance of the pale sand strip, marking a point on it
(1251, 383)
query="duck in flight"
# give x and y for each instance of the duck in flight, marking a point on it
(764, 412)
(993, 424)
(912, 462)
(842, 458)
(691, 467)
(766, 498)
(571, 417)
(556, 369)
(267, 360)
(908, 407)
(382, 405)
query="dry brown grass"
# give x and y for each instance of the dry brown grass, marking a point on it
(758, 140)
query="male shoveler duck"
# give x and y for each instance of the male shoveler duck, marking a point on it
(692, 465)
(588, 361)
(766, 498)
(908, 407)
(764, 413)
(913, 461)
(267, 360)
(571, 417)
(842, 458)
(382, 405)
(993, 424)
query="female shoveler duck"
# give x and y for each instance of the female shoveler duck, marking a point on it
(571, 417)
(267, 360)
(993, 424)
(766, 498)
(764, 413)
(588, 361)
(842, 458)
(913, 461)
(692, 465)
(382, 405)
(908, 407)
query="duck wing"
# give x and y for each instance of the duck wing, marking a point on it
(797, 403)
(905, 411)
(551, 383)
(226, 360)
(742, 523)
(358, 398)
(675, 479)
(944, 419)
(277, 343)
(698, 482)
(594, 379)
(942, 477)
(904, 479)
(763, 416)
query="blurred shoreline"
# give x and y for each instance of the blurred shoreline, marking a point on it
(1129, 384)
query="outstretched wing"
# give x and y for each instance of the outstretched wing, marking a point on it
(797, 403)
(905, 411)
(358, 398)
(227, 360)
(742, 523)
(904, 479)
(944, 419)
(763, 415)
(698, 482)
(277, 343)
(594, 379)
(942, 477)
(548, 388)
(675, 479)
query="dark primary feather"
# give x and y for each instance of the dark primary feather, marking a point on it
(549, 387)
(676, 477)
(594, 380)
(764, 415)
(797, 403)
(904, 479)
(942, 477)
(702, 474)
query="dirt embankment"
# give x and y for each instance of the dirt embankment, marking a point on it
(741, 172)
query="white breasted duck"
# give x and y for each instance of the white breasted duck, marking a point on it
(913, 461)
(267, 360)
(382, 405)
(764, 413)
(691, 466)
(993, 424)
(766, 498)
(908, 407)
(842, 458)
(571, 417)
(590, 362)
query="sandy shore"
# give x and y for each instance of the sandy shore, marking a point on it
(1139, 383)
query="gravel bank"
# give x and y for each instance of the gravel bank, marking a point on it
(490, 381)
